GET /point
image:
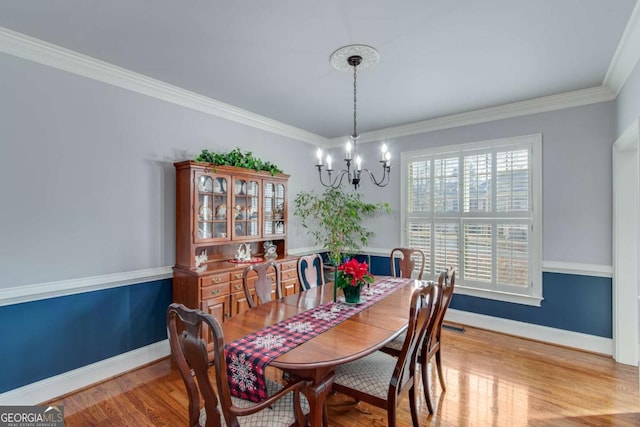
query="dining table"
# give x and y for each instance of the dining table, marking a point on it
(315, 359)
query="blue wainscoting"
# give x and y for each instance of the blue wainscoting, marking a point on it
(571, 302)
(41, 339)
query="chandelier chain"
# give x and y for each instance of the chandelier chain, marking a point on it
(355, 103)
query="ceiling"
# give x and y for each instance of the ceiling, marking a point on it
(271, 58)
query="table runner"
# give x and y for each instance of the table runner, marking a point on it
(248, 357)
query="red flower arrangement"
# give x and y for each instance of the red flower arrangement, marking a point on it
(353, 273)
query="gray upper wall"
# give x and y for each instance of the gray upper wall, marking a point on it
(577, 201)
(87, 180)
(628, 101)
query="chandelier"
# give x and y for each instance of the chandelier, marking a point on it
(344, 59)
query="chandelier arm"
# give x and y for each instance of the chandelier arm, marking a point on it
(386, 175)
(333, 183)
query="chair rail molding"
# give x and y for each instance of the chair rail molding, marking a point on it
(581, 269)
(28, 293)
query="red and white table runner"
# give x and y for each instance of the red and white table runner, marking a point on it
(248, 357)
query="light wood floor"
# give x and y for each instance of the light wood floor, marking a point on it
(492, 380)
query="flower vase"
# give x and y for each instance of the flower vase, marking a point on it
(352, 294)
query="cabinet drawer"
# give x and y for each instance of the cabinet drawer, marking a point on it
(289, 274)
(214, 291)
(236, 286)
(214, 279)
(237, 275)
(288, 265)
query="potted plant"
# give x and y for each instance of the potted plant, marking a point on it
(351, 277)
(335, 220)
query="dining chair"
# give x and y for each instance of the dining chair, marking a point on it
(434, 341)
(263, 284)
(310, 271)
(188, 331)
(431, 345)
(406, 263)
(379, 378)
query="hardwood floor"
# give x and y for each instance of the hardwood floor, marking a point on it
(492, 380)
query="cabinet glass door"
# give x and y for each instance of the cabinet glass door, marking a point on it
(274, 211)
(246, 194)
(211, 207)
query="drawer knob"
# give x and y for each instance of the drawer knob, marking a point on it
(238, 286)
(215, 292)
(215, 280)
(238, 275)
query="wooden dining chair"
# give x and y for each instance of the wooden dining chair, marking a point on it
(379, 378)
(188, 333)
(434, 339)
(310, 271)
(431, 345)
(263, 284)
(409, 260)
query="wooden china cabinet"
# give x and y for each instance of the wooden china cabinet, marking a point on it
(220, 210)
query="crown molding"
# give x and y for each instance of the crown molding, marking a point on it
(41, 52)
(560, 101)
(628, 140)
(626, 55)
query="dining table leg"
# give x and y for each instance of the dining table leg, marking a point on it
(316, 394)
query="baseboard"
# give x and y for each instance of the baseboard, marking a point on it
(561, 337)
(51, 388)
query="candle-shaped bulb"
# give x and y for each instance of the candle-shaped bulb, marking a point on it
(387, 157)
(348, 151)
(319, 154)
(359, 163)
(384, 151)
(329, 163)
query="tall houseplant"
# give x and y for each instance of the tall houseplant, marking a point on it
(335, 220)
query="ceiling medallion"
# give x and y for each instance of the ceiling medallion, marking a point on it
(339, 58)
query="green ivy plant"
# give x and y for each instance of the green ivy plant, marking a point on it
(334, 219)
(239, 159)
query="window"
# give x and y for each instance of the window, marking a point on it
(477, 207)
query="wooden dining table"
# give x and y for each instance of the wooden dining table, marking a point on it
(315, 359)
